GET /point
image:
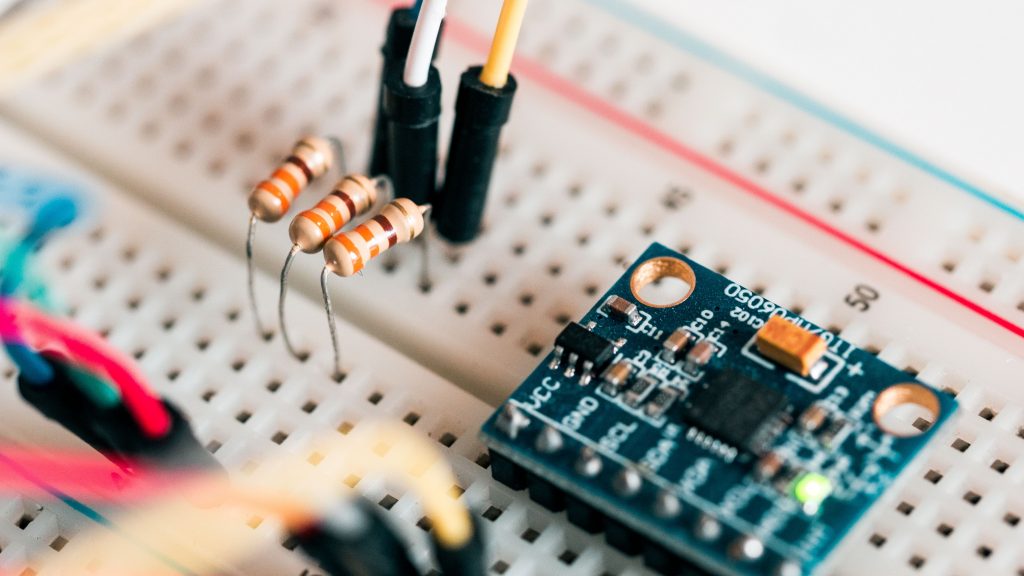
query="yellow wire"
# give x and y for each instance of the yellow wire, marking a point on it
(499, 61)
(205, 541)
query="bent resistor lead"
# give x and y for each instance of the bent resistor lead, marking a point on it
(347, 253)
(270, 199)
(351, 197)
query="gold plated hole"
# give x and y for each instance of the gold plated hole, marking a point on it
(651, 273)
(906, 410)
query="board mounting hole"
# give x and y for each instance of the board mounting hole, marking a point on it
(662, 282)
(906, 410)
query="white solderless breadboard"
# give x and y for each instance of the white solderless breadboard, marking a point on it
(166, 304)
(615, 142)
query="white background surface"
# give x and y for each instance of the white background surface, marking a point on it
(942, 78)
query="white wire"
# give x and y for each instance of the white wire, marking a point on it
(424, 38)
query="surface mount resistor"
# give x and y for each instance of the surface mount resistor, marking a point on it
(352, 196)
(662, 400)
(349, 252)
(311, 158)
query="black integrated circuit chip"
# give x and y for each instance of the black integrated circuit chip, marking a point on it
(737, 410)
(587, 346)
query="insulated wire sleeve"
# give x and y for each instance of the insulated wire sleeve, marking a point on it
(98, 390)
(503, 47)
(91, 352)
(424, 38)
(31, 365)
(288, 488)
(33, 368)
(49, 216)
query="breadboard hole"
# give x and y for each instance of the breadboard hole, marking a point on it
(209, 377)
(190, 127)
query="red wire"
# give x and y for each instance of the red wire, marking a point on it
(92, 352)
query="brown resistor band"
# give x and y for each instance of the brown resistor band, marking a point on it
(311, 158)
(352, 196)
(400, 221)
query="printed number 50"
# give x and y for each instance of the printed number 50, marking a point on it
(862, 297)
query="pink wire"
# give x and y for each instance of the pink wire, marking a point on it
(87, 476)
(8, 327)
(93, 353)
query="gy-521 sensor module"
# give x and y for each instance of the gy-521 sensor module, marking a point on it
(716, 432)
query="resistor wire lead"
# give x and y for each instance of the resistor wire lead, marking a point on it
(351, 197)
(270, 200)
(347, 253)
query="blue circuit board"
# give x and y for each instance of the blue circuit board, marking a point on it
(717, 458)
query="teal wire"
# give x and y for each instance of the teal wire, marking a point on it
(34, 369)
(54, 212)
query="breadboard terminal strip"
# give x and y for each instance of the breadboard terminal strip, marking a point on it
(561, 87)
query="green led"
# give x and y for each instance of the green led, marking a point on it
(811, 489)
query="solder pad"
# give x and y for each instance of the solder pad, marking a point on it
(713, 481)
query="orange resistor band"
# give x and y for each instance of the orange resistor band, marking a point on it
(352, 196)
(311, 158)
(349, 252)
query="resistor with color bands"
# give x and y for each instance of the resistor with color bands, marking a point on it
(347, 253)
(270, 200)
(352, 196)
(400, 221)
(311, 158)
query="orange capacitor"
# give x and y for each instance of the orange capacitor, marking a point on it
(349, 252)
(790, 345)
(352, 196)
(311, 158)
